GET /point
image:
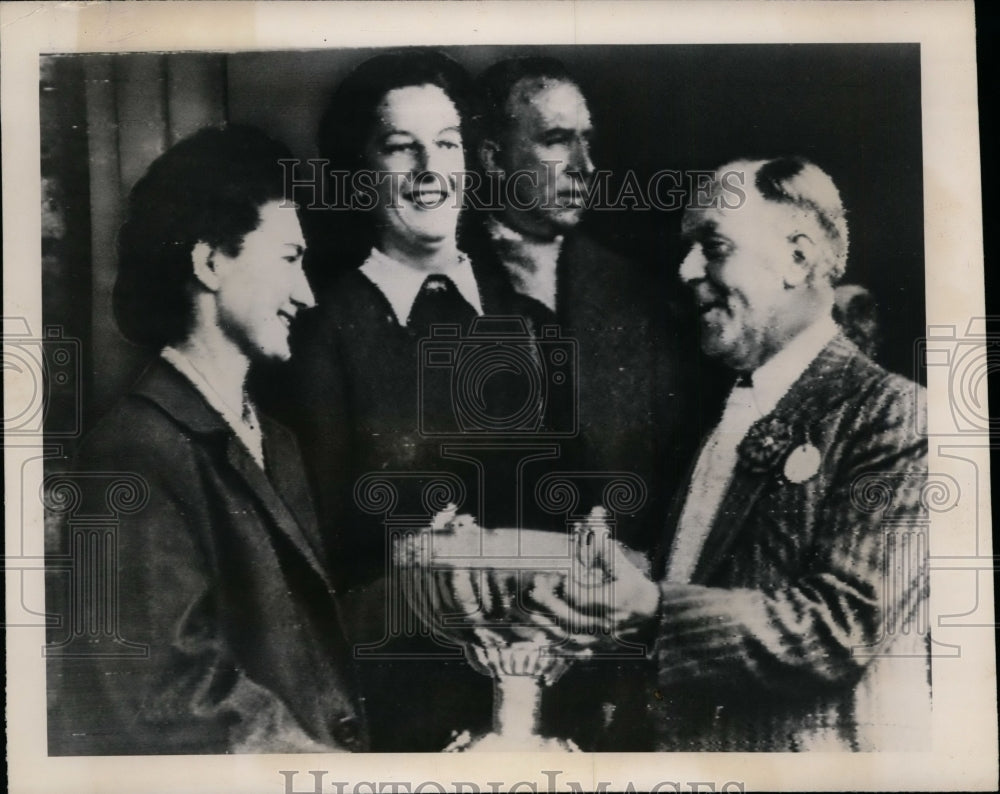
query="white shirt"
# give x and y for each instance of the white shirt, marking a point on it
(245, 425)
(717, 461)
(401, 283)
(532, 264)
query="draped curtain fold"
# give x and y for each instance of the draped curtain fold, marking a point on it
(120, 113)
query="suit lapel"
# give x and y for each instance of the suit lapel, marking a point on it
(741, 496)
(579, 285)
(496, 293)
(805, 402)
(282, 516)
(286, 474)
(175, 395)
(674, 510)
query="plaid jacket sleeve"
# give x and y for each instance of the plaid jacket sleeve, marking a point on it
(816, 571)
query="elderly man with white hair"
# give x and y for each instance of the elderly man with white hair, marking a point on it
(787, 610)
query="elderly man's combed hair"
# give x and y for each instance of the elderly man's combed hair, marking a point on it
(207, 188)
(795, 180)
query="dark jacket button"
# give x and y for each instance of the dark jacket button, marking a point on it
(347, 731)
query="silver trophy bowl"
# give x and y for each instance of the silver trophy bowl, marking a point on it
(475, 587)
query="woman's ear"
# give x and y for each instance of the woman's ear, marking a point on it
(802, 262)
(203, 264)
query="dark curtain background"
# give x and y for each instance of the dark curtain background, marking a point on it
(853, 109)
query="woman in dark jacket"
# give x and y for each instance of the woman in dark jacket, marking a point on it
(228, 637)
(368, 402)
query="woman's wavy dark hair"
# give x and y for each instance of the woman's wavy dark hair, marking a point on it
(209, 187)
(344, 129)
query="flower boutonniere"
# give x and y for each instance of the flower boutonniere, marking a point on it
(771, 442)
(765, 444)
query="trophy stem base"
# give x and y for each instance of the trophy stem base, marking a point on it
(517, 707)
(517, 702)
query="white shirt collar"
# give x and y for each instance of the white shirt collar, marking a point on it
(532, 264)
(501, 231)
(401, 283)
(775, 377)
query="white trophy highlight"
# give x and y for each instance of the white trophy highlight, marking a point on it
(478, 587)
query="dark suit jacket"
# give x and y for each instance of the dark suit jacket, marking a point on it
(353, 396)
(801, 627)
(640, 390)
(641, 395)
(221, 576)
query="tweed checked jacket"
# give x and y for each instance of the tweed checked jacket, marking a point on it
(803, 625)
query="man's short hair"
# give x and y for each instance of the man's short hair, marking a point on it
(798, 182)
(495, 84)
(207, 188)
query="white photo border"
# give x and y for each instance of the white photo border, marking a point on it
(964, 754)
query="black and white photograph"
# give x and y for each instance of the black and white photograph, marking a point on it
(507, 406)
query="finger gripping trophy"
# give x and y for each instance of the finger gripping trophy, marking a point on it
(488, 589)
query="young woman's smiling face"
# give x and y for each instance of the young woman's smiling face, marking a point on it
(263, 287)
(417, 154)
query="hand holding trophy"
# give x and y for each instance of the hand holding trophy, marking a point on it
(522, 602)
(608, 596)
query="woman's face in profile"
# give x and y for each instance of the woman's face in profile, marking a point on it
(416, 151)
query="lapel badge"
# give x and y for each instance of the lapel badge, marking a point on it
(802, 463)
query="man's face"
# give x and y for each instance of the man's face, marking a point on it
(547, 154)
(417, 134)
(741, 270)
(262, 288)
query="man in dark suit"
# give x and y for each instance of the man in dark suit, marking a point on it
(228, 636)
(534, 148)
(788, 609)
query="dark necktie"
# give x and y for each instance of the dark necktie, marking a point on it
(439, 302)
